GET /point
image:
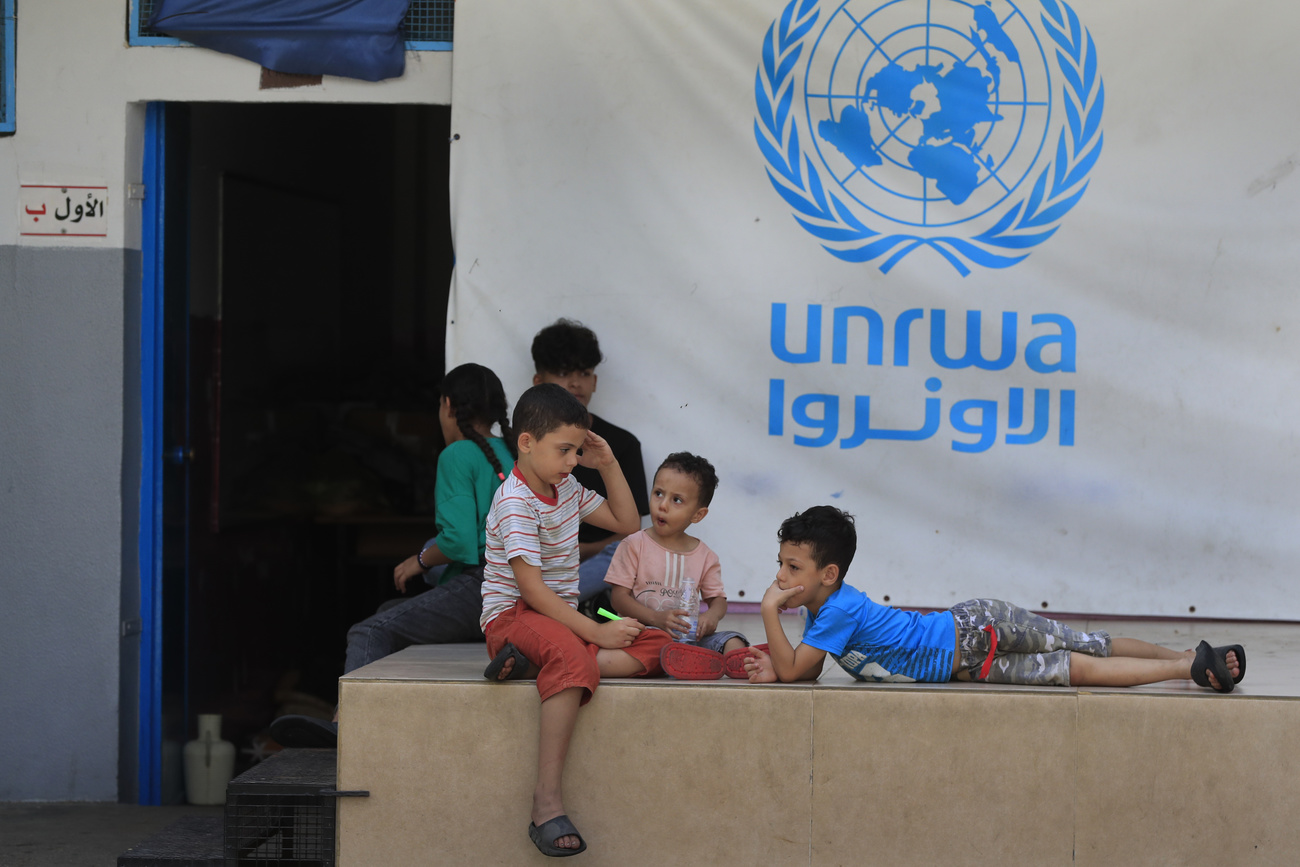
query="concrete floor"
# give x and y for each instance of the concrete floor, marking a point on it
(93, 835)
(80, 835)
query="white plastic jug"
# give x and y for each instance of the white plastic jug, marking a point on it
(209, 763)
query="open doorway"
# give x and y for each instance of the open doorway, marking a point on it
(301, 395)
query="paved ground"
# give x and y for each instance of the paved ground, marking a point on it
(80, 835)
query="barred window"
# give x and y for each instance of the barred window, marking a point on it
(428, 25)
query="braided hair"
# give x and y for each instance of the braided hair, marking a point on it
(476, 395)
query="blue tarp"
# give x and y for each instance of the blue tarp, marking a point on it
(353, 38)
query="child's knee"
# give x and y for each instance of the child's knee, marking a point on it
(619, 663)
(561, 671)
(646, 651)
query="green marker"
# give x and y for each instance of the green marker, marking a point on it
(603, 613)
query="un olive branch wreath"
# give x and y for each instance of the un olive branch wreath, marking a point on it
(1026, 224)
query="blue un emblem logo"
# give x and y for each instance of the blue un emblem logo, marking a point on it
(966, 128)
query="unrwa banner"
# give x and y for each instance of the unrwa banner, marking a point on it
(1010, 282)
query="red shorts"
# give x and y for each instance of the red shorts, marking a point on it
(564, 658)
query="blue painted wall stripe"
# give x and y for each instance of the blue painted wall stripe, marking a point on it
(151, 396)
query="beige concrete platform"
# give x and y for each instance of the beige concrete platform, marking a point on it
(837, 772)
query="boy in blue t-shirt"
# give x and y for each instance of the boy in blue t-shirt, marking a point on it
(980, 640)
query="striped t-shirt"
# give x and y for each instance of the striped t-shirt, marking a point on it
(541, 530)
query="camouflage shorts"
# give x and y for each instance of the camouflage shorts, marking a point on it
(1031, 649)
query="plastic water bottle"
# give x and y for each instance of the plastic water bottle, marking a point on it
(690, 603)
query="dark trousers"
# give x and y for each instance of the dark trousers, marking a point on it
(444, 614)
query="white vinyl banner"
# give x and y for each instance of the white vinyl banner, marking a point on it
(1012, 282)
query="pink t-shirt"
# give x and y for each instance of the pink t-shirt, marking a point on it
(654, 574)
(541, 530)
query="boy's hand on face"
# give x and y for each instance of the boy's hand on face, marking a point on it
(775, 597)
(596, 453)
(617, 634)
(759, 667)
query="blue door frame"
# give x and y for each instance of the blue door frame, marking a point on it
(149, 750)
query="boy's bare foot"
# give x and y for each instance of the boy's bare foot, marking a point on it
(1233, 667)
(504, 665)
(509, 665)
(1218, 668)
(1230, 659)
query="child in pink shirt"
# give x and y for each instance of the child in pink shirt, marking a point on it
(654, 568)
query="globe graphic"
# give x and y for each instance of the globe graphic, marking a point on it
(928, 112)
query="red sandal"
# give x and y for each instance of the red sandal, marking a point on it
(733, 663)
(688, 662)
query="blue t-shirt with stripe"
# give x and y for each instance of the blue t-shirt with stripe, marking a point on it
(875, 642)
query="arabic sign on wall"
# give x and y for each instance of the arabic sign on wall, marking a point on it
(1012, 281)
(63, 211)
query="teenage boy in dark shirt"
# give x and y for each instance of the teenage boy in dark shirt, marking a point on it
(567, 353)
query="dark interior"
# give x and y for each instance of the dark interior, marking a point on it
(307, 259)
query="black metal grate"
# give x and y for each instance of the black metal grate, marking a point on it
(426, 20)
(430, 21)
(276, 812)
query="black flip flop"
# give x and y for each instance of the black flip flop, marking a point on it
(1241, 659)
(297, 731)
(1208, 659)
(551, 830)
(498, 662)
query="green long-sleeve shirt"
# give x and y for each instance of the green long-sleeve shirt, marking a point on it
(462, 495)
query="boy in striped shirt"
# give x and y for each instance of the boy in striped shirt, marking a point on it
(530, 588)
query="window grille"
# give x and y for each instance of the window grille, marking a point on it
(7, 68)
(428, 24)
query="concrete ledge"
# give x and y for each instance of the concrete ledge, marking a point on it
(663, 772)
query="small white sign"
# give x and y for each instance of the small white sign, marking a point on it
(59, 211)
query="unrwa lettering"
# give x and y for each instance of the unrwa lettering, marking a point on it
(971, 416)
(1063, 338)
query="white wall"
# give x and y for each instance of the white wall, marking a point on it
(608, 162)
(79, 87)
